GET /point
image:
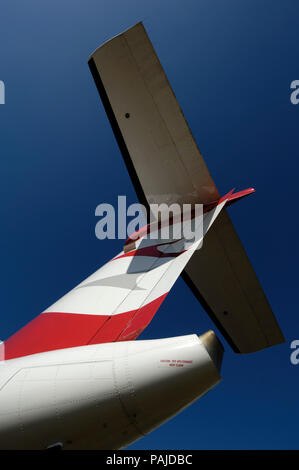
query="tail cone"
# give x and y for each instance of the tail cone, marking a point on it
(213, 347)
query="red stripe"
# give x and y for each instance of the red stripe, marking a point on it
(50, 331)
(112, 328)
(128, 326)
(140, 320)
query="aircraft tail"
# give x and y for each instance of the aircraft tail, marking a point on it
(119, 300)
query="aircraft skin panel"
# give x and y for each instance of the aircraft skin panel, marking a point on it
(166, 166)
(103, 396)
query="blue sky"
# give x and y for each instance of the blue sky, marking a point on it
(230, 64)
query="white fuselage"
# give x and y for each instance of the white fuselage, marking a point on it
(100, 396)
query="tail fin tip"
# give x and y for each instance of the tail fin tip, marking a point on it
(231, 197)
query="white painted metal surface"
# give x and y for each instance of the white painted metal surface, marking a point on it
(101, 396)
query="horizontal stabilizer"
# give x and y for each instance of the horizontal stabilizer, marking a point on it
(166, 166)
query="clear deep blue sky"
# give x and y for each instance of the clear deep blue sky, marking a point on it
(230, 64)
